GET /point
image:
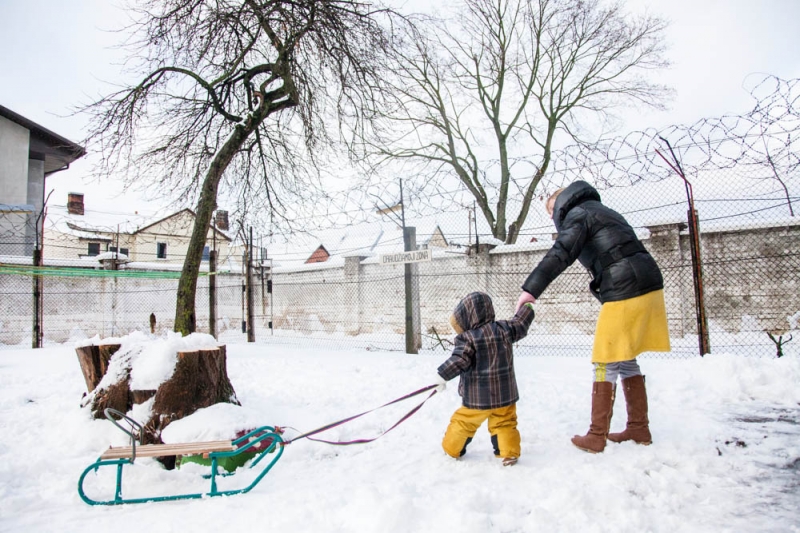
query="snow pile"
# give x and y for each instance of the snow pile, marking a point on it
(150, 360)
(744, 379)
(220, 421)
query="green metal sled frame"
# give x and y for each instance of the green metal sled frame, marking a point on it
(242, 444)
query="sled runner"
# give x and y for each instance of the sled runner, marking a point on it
(264, 440)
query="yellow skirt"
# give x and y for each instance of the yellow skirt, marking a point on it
(629, 327)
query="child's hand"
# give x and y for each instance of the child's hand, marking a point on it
(440, 382)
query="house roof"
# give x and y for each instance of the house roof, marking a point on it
(360, 240)
(177, 213)
(97, 225)
(56, 151)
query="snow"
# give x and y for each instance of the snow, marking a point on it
(151, 360)
(725, 457)
(111, 256)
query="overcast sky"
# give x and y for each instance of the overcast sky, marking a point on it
(57, 54)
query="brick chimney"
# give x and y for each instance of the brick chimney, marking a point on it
(222, 220)
(75, 203)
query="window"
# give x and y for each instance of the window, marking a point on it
(161, 250)
(94, 249)
(206, 253)
(123, 251)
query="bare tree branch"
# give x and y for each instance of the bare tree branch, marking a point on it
(500, 77)
(240, 98)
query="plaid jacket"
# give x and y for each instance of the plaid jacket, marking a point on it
(483, 355)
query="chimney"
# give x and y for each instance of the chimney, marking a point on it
(75, 203)
(222, 220)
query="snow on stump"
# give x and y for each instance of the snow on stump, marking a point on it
(157, 381)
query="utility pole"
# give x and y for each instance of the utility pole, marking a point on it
(413, 334)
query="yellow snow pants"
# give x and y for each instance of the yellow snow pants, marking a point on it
(465, 422)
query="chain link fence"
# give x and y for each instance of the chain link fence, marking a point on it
(750, 259)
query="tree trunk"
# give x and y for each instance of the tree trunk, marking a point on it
(185, 319)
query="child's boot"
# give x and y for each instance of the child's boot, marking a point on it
(638, 426)
(602, 407)
(464, 449)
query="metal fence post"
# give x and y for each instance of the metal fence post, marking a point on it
(697, 275)
(212, 293)
(413, 334)
(697, 266)
(36, 341)
(251, 332)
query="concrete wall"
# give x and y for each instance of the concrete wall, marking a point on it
(14, 146)
(751, 284)
(751, 279)
(35, 197)
(76, 307)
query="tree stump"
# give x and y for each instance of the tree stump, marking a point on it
(200, 379)
(94, 362)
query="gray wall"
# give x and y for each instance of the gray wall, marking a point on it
(14, 144)
(751, 285)
(751, 279)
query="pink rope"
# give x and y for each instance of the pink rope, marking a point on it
(348, 419)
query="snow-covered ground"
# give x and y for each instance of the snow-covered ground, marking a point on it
(725, 457)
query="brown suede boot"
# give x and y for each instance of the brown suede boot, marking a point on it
(602, 407)
(637, 429)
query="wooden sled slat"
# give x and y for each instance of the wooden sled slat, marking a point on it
(160, 450)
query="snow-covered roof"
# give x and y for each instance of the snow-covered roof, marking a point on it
(359, 240)
(93, 225)
(108, 256)
(101, 225)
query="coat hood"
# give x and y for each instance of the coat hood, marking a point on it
(474, 310)
(576, 193)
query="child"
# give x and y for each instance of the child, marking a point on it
(483, 357)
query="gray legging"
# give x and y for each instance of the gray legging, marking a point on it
(611, 371)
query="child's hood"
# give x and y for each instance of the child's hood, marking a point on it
(474, 310)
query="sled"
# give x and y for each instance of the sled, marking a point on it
(267, 437)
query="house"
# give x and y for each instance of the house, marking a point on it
(361, 240)
(29, 153)
(73, 231)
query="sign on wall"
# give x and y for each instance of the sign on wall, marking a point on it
(415, 256)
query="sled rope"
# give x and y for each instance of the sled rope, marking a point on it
(348, 419)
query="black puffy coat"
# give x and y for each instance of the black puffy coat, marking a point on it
(603, 241)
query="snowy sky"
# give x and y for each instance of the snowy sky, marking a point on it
(58, 54)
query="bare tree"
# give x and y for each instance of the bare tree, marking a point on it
(487, 92)
(246, 90)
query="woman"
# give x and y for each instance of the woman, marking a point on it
(629, 285)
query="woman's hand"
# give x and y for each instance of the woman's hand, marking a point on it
(524, 298)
